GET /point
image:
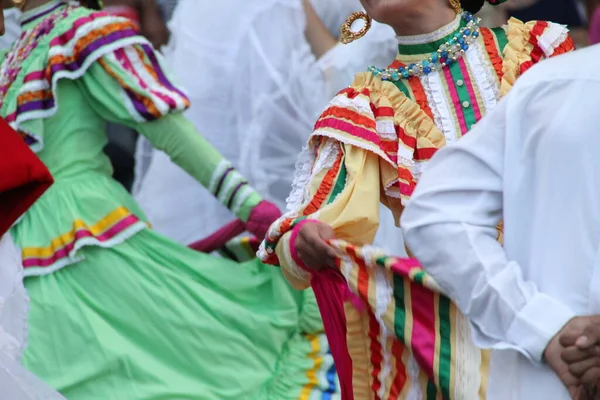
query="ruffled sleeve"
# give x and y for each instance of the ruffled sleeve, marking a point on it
(530, 43)
(335, 183)
(105, 51)
(129, 85)
(350, 164)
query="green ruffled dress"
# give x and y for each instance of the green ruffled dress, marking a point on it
(118, 311)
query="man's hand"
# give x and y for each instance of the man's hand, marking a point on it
(312, 247)
(582, 353)
(553, 357)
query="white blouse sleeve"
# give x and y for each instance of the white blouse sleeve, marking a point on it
(449, 225)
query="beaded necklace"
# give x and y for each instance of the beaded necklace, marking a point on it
(13, 60)
(446, 55)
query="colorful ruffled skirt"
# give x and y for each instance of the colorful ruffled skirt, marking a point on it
(149, 319)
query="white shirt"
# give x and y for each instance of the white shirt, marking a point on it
(534, 160)
(12, 28)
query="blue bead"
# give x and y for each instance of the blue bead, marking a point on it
(475, 34)
(449, 62)
(468, 17)
(411, 66)
(444, 54)
(395, 75)
(464, 46)
(461, 40)
(401, 70)
(426, 70)
(467, 32)
(435, 57)
(405, 74)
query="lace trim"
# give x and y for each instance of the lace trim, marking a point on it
(483, 75)
(551, 38)
(433, 36)
(467, 356)
(384, 299)
(438, 102)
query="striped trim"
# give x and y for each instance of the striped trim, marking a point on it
(423, 322)
(321, 376)
(123, 53)
(111, 230)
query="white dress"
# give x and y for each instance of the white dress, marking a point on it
(16, 383)
(256, 90)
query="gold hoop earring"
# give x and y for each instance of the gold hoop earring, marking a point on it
(20, 4)
(456, 6)
(347, 34)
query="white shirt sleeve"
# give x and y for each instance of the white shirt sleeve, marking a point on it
(449, 225)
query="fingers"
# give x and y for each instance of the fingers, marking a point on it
(574, 354)
(567, 339)
(580, 368)
(312, 247)
(590, 337)
(591, 380)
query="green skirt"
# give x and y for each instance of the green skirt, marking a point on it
(149, 319)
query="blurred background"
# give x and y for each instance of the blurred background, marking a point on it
(153, 16)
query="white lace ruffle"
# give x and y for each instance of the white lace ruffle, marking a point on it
(552, 37)
(440, 104)
(483, 74)
(433, 36)
(16, 383)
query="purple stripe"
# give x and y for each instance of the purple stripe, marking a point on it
(41, 14)
(139, 105)
(161, 76)
(45, 104)
(80, 234)
(77, 64)
(222, 180)
(99, 42)
(30, 140)
(235, 191)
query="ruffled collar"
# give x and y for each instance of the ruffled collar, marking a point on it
(36, 14)
(429, 42)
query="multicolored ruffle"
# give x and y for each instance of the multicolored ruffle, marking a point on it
(394, 335)
(113, 229)
(69, 49)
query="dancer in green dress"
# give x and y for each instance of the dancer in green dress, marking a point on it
(117, 310)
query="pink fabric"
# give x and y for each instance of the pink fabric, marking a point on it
(594, 30)
(218, 239)
(261, 218)
(330, 289)
(455, 100)
(469, 85)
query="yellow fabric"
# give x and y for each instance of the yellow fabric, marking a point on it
(353, 215)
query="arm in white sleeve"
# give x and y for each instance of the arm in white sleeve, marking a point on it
(449, 225)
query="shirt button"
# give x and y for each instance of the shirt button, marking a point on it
(460, 82)
(466, 104)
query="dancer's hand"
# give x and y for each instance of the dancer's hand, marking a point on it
(261, 217)
(553, 357)
(582, 354)
(312, 247)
